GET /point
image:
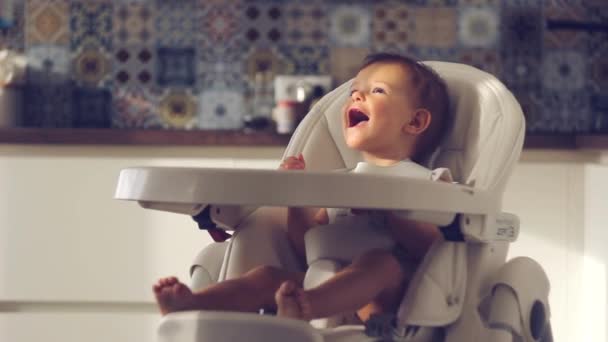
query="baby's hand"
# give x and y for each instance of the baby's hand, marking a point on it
(293, 163)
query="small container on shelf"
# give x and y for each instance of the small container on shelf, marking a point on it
(285, 115)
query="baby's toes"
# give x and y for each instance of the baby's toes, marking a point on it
(287, 288)
(160, 284)
(170, 280)
(164, 282)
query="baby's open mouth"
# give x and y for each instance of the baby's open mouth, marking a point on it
(355, 117)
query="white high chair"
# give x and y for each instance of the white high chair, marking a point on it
(464, 290)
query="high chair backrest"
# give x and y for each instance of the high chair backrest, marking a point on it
(483, 144)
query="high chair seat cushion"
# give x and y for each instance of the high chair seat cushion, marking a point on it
(436, 294)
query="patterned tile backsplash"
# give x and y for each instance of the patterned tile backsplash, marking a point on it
(193, 64)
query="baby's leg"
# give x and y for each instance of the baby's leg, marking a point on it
(388, 301)
(248, 293)
(376, 277)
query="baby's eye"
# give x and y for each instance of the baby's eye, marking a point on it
(378, 90)
(352, 91)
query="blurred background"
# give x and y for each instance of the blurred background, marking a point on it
(208, 64)
(77, 265)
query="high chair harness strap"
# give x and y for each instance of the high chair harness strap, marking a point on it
(203, 219)
(452, 232)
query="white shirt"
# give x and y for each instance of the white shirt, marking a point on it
(405, 168)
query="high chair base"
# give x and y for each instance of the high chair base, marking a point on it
(197, 326)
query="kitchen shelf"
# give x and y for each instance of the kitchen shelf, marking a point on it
(86, 136)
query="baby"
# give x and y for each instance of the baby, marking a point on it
(395, 116)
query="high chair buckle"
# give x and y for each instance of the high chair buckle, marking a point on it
(380, 325)
(452, 232)
(384, 327)
(203, 219)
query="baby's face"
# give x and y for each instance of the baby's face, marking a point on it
(378, 108)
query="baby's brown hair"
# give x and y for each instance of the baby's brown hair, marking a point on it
(431, 94)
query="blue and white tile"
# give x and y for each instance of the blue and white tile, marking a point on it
(221, 68)
(521, 72)
(179, 24)
(91, 67)
(92, 107)
(176, 67)
(478, 2)
(484, 59)
(596, 10)
(308, 59)
(135, 107)
(133, 23)
(598, 69)
(345, 63)
(564, 70)
(522, 25)
(478, 27)
(567, 112)
(597, 42)
(350, 26)
(134, 66)
(531, 103)
(221, 110)
(267, 61)
(48, 105)
(91, 24)
(560, 38)
(446, 54)
(221, 23)
(7, 14)
(47, 22)
(434, 27)
(12, 31)
(599, 109)
(178, 108)
(392, 25)
(263, 23)
(307, 23)
(434, 3)
(48, 63)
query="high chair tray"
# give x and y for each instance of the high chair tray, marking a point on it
(229, 186)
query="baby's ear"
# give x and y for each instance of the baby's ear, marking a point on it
(419, 123)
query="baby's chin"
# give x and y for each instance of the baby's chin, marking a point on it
(355, 142)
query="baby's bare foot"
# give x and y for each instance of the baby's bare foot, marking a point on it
(292, 302)
(172, 295)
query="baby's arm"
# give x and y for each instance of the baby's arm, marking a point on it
(299, 220)
(415, 237)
